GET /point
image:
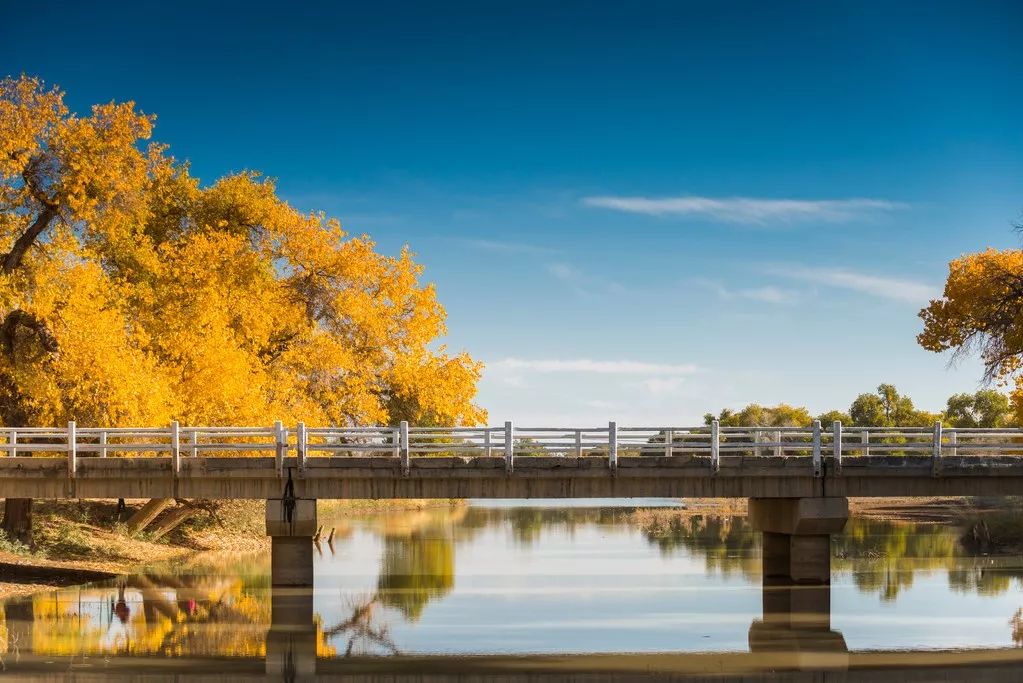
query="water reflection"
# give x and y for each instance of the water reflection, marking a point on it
(514, 580)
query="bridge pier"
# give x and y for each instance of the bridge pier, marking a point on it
(797, 536)
(797, 581)
(291, 528)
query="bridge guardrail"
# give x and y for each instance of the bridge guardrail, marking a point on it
(820, 446)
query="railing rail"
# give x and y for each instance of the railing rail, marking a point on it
(823, 446)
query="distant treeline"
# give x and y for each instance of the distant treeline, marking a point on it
(886, 407)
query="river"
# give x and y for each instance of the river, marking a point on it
(509, 578)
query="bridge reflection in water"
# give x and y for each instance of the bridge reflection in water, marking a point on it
(232, 624)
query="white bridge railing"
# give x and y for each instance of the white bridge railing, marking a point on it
(508, 442)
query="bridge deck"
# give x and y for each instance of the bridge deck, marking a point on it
(695, 476)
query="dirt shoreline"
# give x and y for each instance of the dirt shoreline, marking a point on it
(105, 554)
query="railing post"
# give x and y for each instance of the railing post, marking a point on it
(715, 445)
(405, 449)
(865, 440)
(953, 443)
(72, 449)
(13, 452)
(756, 442)
(817, 468)
(578, 443)
(486, 441)
(669, 439)
(175, 436)
(300, 444)
(509, 446)
(103, 444)
(281, 443)
(195, 442)
(936, 452)
(612, 446)
(778, 449)
(836, 443)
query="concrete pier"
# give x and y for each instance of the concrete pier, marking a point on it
(291, 529)
(797, 536)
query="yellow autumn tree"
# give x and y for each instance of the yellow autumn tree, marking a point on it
(132, 294)
(981, 311)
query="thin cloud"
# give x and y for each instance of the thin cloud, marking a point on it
(895, 289)
(748, 210)
(586, 365)
(582, 284)
(766, 294)
(505, 247)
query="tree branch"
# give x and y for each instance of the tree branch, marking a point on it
(14, 257)
(19, 318)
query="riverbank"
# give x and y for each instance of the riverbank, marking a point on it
(81, 541)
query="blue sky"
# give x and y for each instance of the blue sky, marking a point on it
(638, 211)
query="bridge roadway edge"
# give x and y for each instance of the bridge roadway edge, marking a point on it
(380, 477)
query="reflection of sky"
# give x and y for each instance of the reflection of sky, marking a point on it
(573, 586)
(603, 588)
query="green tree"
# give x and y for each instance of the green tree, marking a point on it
(833, 416)
(756, 415)
(888, 408)
(985, 408)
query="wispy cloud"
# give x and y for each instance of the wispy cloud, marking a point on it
(767, 294)
(748, 210)
(586, 365)
(505, 247)
(581, 283)
(895, 289)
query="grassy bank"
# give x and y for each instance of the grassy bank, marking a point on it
(79, 541)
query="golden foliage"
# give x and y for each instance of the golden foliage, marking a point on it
(142, 296)
(982, 310)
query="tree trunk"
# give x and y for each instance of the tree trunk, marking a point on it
(17, 522)
(172, 521)
(146, 514)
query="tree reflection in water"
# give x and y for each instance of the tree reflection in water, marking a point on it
(219, 609)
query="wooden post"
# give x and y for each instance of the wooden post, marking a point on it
(103, 444)
(715, 445)
(669, 438)
(578, 443)
(817, 466)
(756, 442)
(486, 441)
(936, 450)
(509, 446)
(953, 443)
(865, 440)
(13, 452)
(175, 435)
(836, 443)
(300, 444)
(195, 441)
(281, 446)
(406, 457)
(72, 449)
(612, 445)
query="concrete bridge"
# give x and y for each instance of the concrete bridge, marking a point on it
(798, 481)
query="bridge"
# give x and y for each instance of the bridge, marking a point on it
(798, 480)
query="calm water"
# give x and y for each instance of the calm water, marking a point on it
(504, 578)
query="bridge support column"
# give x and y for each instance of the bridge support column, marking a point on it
(797, 535)
(291, 530)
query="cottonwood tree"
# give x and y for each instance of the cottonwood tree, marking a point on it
(132, 294)
(981, 311)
